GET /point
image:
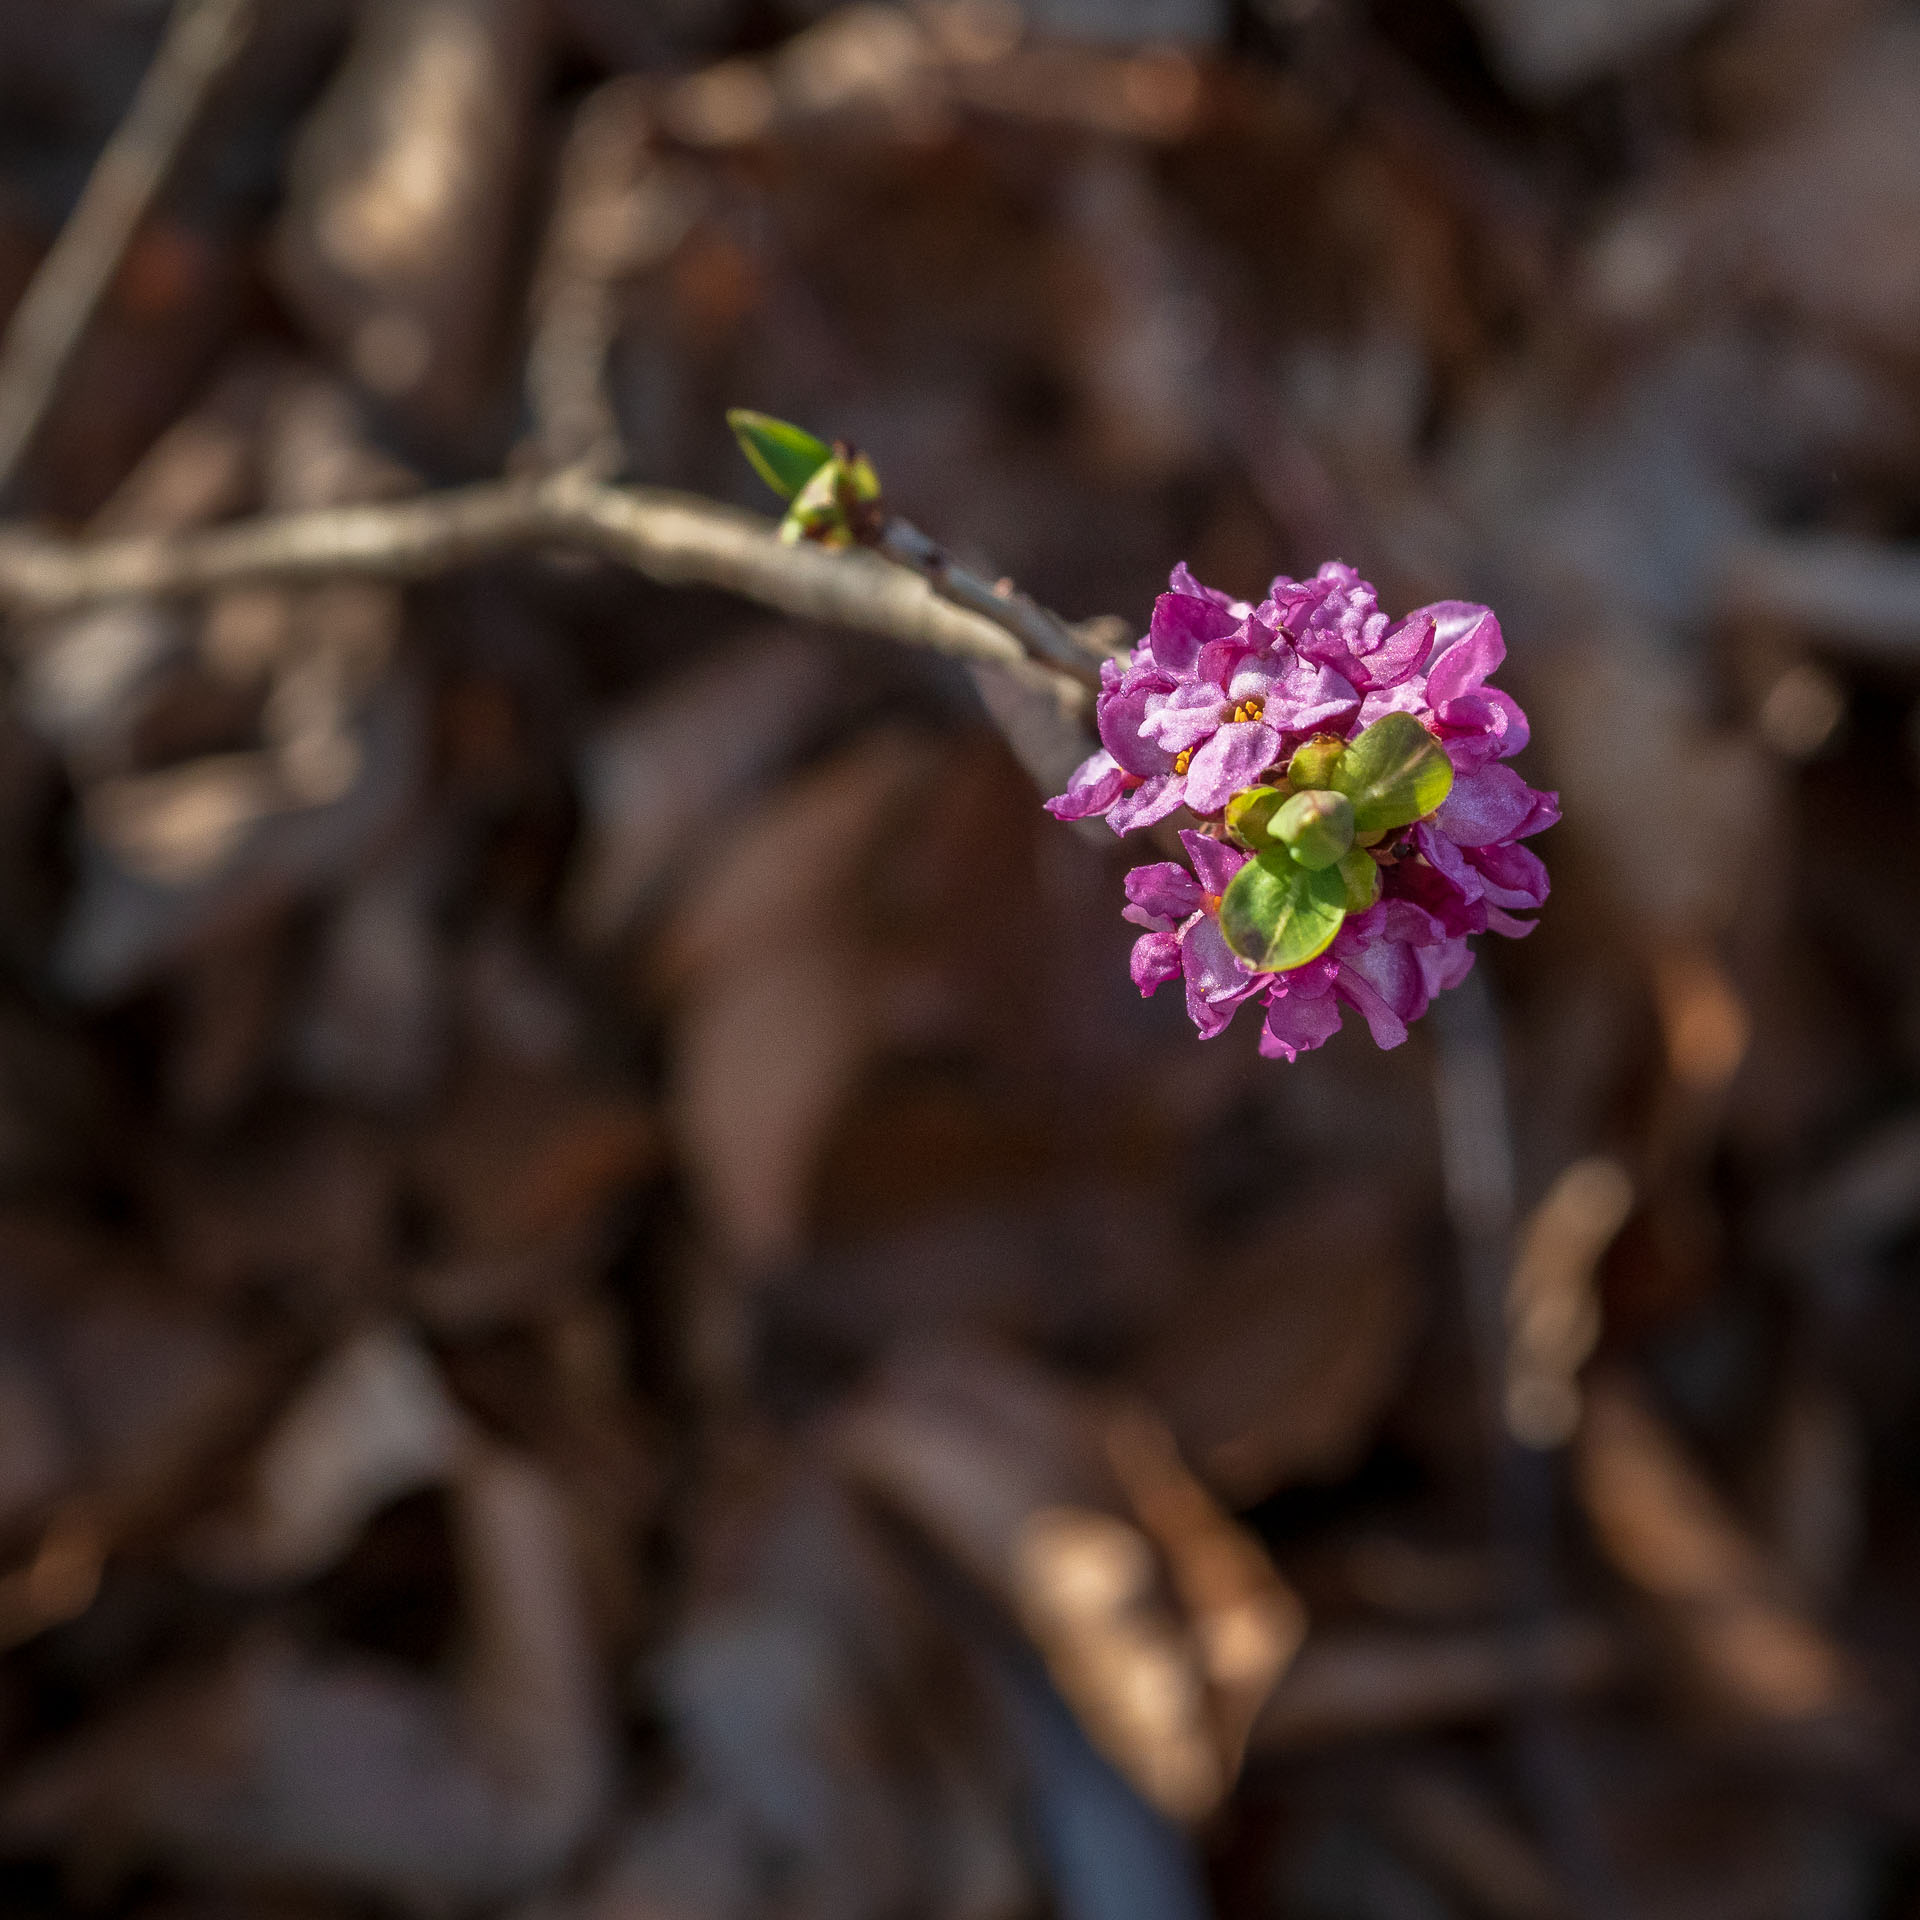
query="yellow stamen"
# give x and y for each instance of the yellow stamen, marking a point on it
(1252, 708)
(1182, 760)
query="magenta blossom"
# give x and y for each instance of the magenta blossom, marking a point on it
(1183, 937)
(1215, 702)
(1210, 701)
(1386, 963)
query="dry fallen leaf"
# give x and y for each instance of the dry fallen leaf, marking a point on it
(392, 243)
(1746, 1641)
(1283, 1374)
(1011, 1475)
(776, 1009)
(282, 1762)
(655, 775)
(372, 1423)
(834, 1715)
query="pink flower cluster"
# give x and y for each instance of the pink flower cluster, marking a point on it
(1216, 700)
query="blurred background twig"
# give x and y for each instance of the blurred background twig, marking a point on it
(45, 326)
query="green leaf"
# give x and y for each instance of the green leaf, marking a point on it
(1316, 828)
(1360, 874)
(786, 457)
(1395, 773)
(1250, 815)
(1278, 914)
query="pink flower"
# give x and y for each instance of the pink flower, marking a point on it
(1386, 964)
(1214, 697)
(1183, 939)
(1215, 701)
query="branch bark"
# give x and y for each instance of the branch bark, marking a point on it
(676, 539)
(1038, 629)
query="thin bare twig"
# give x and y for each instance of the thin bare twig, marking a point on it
(1860, 597)
(1477, 1160)
(1039, 630)
(1357, 1684)
(604, 228)
(676, 539)
(48, 324)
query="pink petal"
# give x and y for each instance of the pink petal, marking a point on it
(1545, 813)
(1156, 960)
(1233, 759)
(1150, 801)
(1386, 1026)
(1445, 965)
(1514, 876)
(1389, 968)
(1308, 696)
(1181, 580)
(1179, 721)
(1467, 659)
(1161, 895)
(1409, 697)
(1119, 715)
(1311, 981)
(1453, 911)
(1214, 970)
(1492, 803)
(1498, 922)
(1296, 1025)
(1183, 623)
(1398, 655)
(1481, 727)
(1446, 859)
(1213, 860)
(1098, 781)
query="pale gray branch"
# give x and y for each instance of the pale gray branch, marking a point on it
(1040, 631)
(1861, 597)
(47, 325)
(676, 539)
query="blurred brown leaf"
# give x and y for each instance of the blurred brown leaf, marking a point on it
(1746, 1641)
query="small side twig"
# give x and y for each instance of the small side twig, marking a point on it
(53, 314)
(1039, 630)
(835, 501)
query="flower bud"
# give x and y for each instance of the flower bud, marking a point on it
(837, 506)
(1317, 828)
(1315, 762)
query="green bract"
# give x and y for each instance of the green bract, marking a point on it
(1360, 874)
(1278, 914)
(1250, 814)
(1314, 762)
(786, 457)
(1317, 828)
(1395, 773)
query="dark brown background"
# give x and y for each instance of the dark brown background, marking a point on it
(610, 1307)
